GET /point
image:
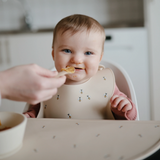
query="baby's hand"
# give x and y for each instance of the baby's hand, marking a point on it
(121, 103)
(27, 115)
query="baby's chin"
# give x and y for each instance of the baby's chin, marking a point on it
(75, 80)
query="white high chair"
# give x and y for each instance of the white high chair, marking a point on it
(123, 81)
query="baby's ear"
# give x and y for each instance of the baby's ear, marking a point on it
(53, 54)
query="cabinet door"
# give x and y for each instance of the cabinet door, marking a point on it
(128, 47)
(153, 26)
(5, 61)
(31, 48)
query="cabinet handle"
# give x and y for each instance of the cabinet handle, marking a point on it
(7, 52)
(108, 38)
(1, 60)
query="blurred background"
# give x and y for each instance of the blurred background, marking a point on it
(132, 40)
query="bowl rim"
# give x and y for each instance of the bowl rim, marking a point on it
(13, 128)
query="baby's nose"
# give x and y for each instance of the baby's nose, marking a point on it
(77, 60)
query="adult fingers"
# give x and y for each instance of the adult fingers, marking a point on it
(50, 83)
(57, 82)
(44, 72)
(42, 96)
(44, 89)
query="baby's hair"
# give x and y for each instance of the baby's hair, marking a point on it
(78, 22)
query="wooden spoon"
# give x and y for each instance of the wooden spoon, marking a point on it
(68, 70)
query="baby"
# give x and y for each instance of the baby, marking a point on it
(90, 92)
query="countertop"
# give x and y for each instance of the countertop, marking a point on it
(43, 30)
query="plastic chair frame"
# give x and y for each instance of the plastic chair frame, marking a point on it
(123, 81)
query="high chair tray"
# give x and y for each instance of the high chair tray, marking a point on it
(70, 139)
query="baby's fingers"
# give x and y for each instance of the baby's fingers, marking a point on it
(122, 103)
(27, 115)
(127, 107)
(115, 100)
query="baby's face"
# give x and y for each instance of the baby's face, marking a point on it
(82, 50)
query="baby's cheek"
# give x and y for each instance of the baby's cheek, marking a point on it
(92, 71)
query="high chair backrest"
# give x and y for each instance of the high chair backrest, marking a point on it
(123, 81)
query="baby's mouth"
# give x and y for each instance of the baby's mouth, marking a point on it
(79, 68)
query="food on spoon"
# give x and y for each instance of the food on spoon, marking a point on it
(68, 69)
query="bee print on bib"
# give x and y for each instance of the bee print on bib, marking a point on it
(105, 95)
(88, 97)
(58, 97)
(69, 115)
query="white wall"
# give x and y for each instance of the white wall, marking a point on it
(46, 13)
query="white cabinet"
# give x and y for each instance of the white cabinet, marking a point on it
(152, 10)
(128, 47)
(19, 49)
(4, 52)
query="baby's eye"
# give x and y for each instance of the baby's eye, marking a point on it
(67, 51)
(88, 53)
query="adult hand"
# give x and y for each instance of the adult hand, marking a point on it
(29, 83)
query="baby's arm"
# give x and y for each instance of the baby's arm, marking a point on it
(122, 107)
(33, 111)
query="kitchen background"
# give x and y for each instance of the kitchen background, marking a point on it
(26, 35)
(44, 14)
